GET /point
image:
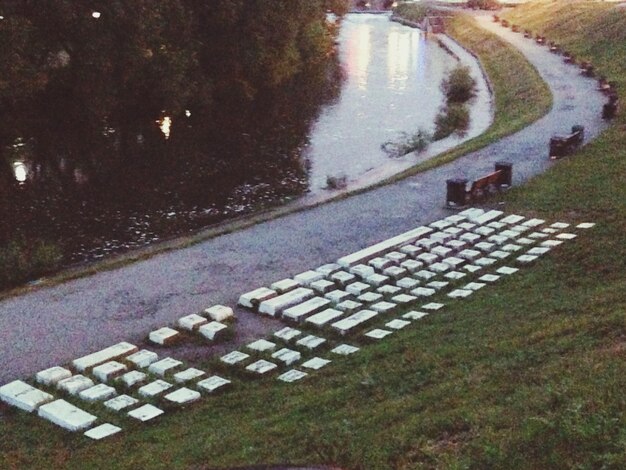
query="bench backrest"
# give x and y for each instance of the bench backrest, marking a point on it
(481, 184)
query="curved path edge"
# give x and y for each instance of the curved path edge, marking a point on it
(51, 326)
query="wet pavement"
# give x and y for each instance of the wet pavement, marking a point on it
(51, 326)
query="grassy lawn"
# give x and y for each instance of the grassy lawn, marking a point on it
(528, 373)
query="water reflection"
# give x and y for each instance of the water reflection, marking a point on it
(165, 124)
(359, 54)
(20, 171)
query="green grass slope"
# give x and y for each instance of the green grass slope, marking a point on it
(528, 373)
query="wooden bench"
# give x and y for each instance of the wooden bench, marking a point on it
(587, 68)
(528, 34)
(540, 39)
(458, 196)
(562, 145)
(554, 47)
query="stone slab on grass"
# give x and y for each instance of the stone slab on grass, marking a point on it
(154, 388)
(425, 274)
(188, 375)
(384, 307)
(408, 283)
(566, 236)
(277, 305)
(507, 270)
(586, 225)
(103, 431)
(324, 317)
(315, 363)
(52, 375)
(427, 258)
(311, 342)
(454, 275)
(437, 285)
(538, 250)
(287, 333)
(375, 280)
(261, 345)
(164, 366)
(381, 263)
(323, 286)
(413, 315)
(192, 322)
(411, 251)
(472, 268)
(75, 384)
(474, 286)
(120, 402)
(433, 306)
(183, 396)
(220, 313)
(512, 219)
(397, 324)
(213, 330)
(212, 384)
(402, 299)
(164, 336)
(254, 298)
(359, 288)
(486, 261)
(337, 296)
(489, 278)
(550, 243)
(362, 271)
(234, 357)
(344, 350)
(308, 277)
(146, 413)
(292, 375)
(533, 222)
(342, 278)
(132, 378)
(328, 269)
(412, 266)
(460, 293)
(369, 298)
(112, 353)
(423, 292)
(377, 334)
(287, 356)
(66, 415)
(526, 259)
(261, 367)
(389, 291)
(24, 396)
(348, 306)
(395, 273)
(109, 370)
(345, 325)
(299, 312)
(285, 285)
(143, 358)
(98, 392)
(500, 254)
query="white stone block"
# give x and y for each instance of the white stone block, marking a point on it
(252, 299)
(469, 237)
(525, 241)
(111, 353)
(586, 225)
(52, 375)
(324, 317)
(441, 237)
(425, 275)
(434, 306)
(438, 285)
(342, 278)
(411, 250)
(120, 402)
(471, 213)
(467, 226)
(377, 334)
(285, 285)
(361, 270)
(549, 230)
(234, 357)
(426, 243)
(143, 358)
(550, 243)
(213, 330)
(455, 219)
(474, 286)
(484, 231)
(261, 367)
(533, 222)
(538, 251)
(287, 334)
(506, 270)
(496, 225)
(299, 312)
(454, 275)
(402, 299)
(511, 247)
(329, 269)
(520, 228)
(383, 247)
(347, 324)
(486, 261)
(316, 363)
(369, 298)
(538, 235)
(164, 336)
(287, 356)
(188, 375)
(75, 384)
(427, 258)
(375, 280)
(389, 291)
(292, 375)
(510, 234)
(311, 342)
(487, 217)
(497, 239)
(348, 306)
(192, 322)
(358, 288)
(566, 236)
(164, 366)
(154, 388)
(23, 396)
(66, 415)
(308, 277)
(525, 259)
(344, 350)
(183, 396)
(412, 265)
(472, 268)
(212, 384)
(460, 293)
(441, 251)
(512, 219)
(454, 231)
(395, 273)
(453, 262)
(103, 431)
(485, 247)
(500, 254)
(413, 315)
(381, 263)
(441, 224)
(397, 324)
(108, 371)
(423, 292)
(323, 286)
(457, 245)
(489, 278)
(384, 307)
(338, 296)
(408, 283)
(145, 413)
(261, 345)
(132, 378)
(277, 305)
(396, 257)
(98, 392)
(439, 267)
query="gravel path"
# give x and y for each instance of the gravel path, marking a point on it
(53, 325)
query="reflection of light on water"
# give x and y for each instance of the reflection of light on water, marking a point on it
(20, 171)
(402, 47)
(165, 125)
(359, 55)
(187, 113)
(95, 14)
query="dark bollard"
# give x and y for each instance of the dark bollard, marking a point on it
(578, 133)
(456, 192)
(506, 177)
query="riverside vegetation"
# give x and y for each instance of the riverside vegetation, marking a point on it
(529, 374)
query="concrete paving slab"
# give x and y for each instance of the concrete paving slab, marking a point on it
(52, 375)
(66, 415)
(103, 431)
(121, 402)
(146, 413)
(24, 396)
(115, 352)
(212, 384)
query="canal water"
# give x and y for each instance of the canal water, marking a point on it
(383, 82)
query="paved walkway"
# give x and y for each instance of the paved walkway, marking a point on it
(54, 325)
